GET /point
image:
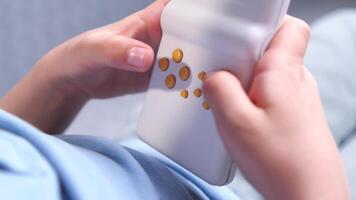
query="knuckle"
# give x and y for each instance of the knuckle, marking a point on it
(214, 82)
(276, 59)
(99, 45)
(83, 45)
(304, 27)
(111, 55)
(91, 39)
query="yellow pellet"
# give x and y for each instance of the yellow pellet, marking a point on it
(206, 105)
(184, 73)
(171, 81)
(177, 55)
(163, 64)
(197, 92)
(202, 75)
(184, 94)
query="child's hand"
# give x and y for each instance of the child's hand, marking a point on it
(278, 134)
(112, 60)
(106, 62)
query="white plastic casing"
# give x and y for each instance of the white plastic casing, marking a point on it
(213, 34)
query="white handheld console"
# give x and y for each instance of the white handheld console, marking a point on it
(201, 36)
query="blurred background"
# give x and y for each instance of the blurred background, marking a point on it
(30, 28)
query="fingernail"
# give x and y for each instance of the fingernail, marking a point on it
(208, 75)
(212, 73)
(137, 57)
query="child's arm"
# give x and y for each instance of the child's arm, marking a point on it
(106, 62)
(277, 133)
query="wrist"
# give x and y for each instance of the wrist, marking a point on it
(45, 97)
(53, 70)
(61, 100)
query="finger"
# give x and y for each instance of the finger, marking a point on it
(127, 54)
(152, 18)
(144, 25)
(291, 40)
(118, 52)
(158, 4)
(228, 100)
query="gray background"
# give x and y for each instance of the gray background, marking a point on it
(28, 29)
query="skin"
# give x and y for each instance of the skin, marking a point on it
(92, 65)
(276, 133)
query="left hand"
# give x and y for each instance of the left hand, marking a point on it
(277, 132)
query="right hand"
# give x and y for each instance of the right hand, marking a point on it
(277, 133)
(110, 61)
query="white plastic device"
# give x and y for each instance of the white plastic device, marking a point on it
(201, 36)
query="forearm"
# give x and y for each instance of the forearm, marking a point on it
(44, 100)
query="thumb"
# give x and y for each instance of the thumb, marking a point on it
(230, 104)
(115, 51)
(127, 54)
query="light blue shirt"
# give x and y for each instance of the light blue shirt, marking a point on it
(34, 165)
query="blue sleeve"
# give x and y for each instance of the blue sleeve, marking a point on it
(34, 165)
(24, 172)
